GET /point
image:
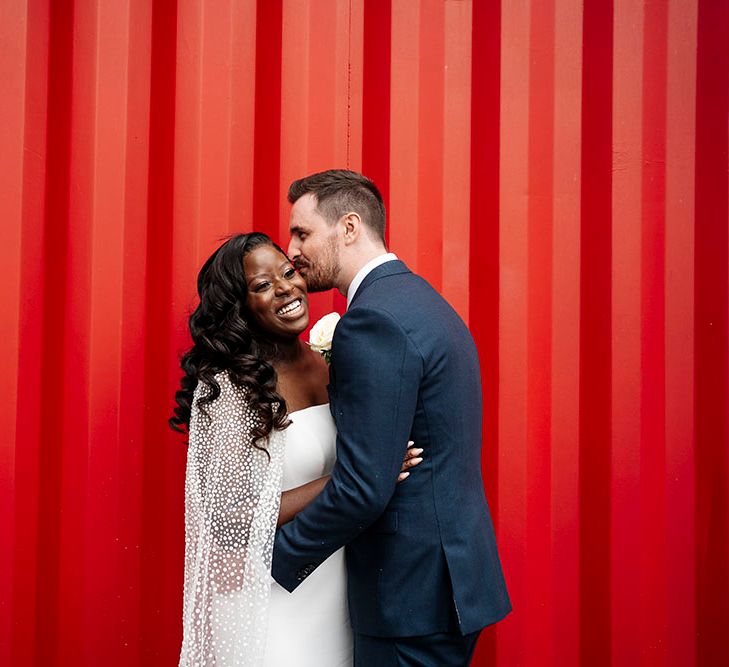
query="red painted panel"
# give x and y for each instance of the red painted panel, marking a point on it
(625, 354)
(680, 519)
(376, 95)
(513, 480)
(565, 381)
(455, 265)
(404, 145)
(484, 276)
(652, 627)
(711, 331)
(596, 334)
(53, 351)
(129, 454)
(157, 491)
(428, 215)
(558, 169)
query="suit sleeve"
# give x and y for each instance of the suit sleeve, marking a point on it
(376, 374)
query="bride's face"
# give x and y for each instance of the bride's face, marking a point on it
(276, 293)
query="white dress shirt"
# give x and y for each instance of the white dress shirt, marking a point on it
(362, 273)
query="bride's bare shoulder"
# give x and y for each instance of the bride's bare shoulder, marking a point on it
(317, 362)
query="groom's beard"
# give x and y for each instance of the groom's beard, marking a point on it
(321, 276)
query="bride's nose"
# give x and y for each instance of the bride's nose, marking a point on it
(283, 287)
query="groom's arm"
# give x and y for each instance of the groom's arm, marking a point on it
(377, 371)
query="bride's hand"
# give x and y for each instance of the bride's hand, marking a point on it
(412, 458)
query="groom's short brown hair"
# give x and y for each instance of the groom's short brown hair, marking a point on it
(341, 191)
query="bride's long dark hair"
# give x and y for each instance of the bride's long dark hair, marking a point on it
(225, 337)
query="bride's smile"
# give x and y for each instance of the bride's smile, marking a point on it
(291, 310)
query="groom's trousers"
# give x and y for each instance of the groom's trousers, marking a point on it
(443, 649)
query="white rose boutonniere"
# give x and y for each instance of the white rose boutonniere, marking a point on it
(322, 334)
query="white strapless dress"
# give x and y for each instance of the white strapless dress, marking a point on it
(310, 627)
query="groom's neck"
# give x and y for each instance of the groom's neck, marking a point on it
(354, 260)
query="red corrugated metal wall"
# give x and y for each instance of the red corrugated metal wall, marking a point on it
(557, 168)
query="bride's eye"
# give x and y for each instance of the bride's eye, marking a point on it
(290, 273)
(260, 287)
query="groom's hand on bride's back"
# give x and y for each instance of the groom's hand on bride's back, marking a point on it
(412, 458)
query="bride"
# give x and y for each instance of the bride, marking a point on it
(261, 445)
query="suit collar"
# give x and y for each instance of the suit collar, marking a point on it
(391, 268)
(366, 269)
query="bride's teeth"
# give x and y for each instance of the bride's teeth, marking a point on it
(290, 308)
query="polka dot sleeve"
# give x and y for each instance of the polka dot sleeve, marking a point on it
(232, 497)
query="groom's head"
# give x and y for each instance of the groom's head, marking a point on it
(337, 217)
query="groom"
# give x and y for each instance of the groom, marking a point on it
(423, 570)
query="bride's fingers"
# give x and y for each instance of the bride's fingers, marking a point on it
(412, 459)
(411, 463)
(412, 451)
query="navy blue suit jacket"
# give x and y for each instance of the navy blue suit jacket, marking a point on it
(404, 366)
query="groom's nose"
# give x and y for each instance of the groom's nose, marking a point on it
(293, 250)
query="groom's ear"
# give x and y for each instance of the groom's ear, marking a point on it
(352, 224)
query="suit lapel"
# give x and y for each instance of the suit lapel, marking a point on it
(391, 268)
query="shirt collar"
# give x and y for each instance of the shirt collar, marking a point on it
(365, 270)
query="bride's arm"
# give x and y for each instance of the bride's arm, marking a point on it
(296, 499)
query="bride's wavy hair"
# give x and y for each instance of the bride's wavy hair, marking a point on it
(226, 338)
